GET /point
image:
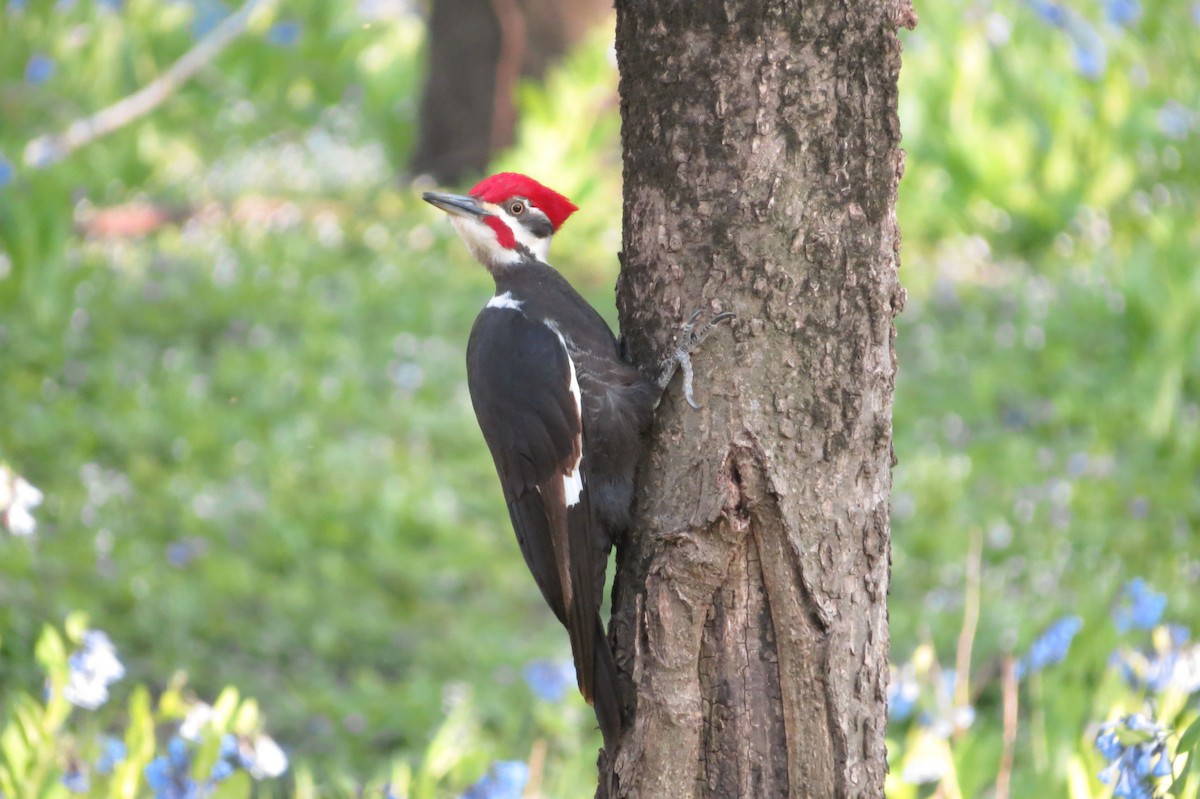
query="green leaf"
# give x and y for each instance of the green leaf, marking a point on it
(453, 740)
(139, 737)
(76, 625)
(224, 708)
(1190, 737)
(8, 783)
(50, 652)
(246, 721)
(1187, 746)
(15, 750)
(1178, 783)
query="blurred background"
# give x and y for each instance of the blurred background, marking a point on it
(237, 438)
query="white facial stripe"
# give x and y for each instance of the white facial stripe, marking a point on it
(573, 479)
(481, 241)
(504, 300)
(539, 247)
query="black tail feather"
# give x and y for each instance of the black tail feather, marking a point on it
(606, 699)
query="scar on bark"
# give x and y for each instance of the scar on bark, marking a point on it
(743, 478)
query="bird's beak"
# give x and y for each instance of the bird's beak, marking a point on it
(454, 204)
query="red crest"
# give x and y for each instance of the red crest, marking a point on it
(501, 186)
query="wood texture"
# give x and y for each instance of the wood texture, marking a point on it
(762, 156)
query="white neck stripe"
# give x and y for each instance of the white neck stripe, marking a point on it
(504, 300)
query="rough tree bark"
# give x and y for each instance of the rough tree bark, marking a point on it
(762, 156)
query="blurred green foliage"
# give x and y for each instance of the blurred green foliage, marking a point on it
(48, 748)
(258, 455)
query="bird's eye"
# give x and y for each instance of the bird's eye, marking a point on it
(516, 209)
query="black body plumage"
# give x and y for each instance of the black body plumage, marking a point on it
(566, 460)
(562, 413)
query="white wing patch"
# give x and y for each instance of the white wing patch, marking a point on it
(505, 300)
(573, 479)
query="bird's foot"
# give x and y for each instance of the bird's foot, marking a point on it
(691, 336)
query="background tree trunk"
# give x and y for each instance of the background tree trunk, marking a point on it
(477, 51)
(762, 155)
(457, 105)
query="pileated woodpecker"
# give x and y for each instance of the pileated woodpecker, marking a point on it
(562, 412)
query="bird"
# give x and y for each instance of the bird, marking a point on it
(562, 411)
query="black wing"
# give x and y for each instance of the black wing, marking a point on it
(526, 397)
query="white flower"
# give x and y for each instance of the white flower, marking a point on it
(1185, 675)
(18, 497)
(92, 668)
(198, 715)
(268, 760)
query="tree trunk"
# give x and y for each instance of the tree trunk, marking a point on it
(762, 155)
(477, 51)
(458, 103)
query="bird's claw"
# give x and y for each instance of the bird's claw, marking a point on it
(690, 337)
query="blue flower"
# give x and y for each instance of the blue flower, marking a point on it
(228, 758)
(1172, 665)
(229, 746)
(1174, 120)
(903, 692)
(112, 752)
(208, 15)
(1108, 744)
(1140, 606)
(1136, 751)
(75, 779)
(1051, 13)
(222, 770)
(92, 669)
(505, 780)
(1087, 47)
(1161, 674)
(550, 680)
(158, 774)
(181, 553)
(168, 776)
(1089, 52)
(1123, 12)
(39, 69)
(1051, 647)
(177, 754)
(6, 171)
(285, 34)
